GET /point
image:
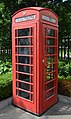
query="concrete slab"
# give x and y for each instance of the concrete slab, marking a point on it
(58, 111)
(8, 101)
(5, 103)
(64, 99)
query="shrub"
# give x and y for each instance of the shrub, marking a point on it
(5, 57)
(64, 78)
(5, 85)
(60, 78)
(64, 68)
(68, 78)
(5, 66)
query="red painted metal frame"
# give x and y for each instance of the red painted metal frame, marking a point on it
(24, 103)
(39, 104)
(52, 99)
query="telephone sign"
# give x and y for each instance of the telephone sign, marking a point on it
(25, 18)
(47, 18)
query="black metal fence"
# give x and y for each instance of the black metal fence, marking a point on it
(65, 48)
(5, 51)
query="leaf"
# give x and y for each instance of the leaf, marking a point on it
(5, 68)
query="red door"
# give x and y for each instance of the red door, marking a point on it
(24, 66)
(50, 73)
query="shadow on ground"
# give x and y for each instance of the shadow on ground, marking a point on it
(58, 111)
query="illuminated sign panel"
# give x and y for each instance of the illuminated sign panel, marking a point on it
(25, 18)
(47, 18)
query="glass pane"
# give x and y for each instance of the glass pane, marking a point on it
(49, 68)
(25, 69)
(50, 41)
(50, 76)
(49, 50)
(25, 51)
(23, 86)
(23, 77)
(50, 59)
(49, 94)
(50, 85)
(24, 59)
(24, 94)
(51, 32)
(23, 32)
(23, 41)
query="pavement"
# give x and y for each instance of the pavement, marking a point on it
(58, 111)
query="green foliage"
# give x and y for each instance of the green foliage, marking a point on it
(64, 70)
(5, 85)
(64, 17)
(60, 78)
(5, 26)
(68, 78)
(6, 57)
(8, 7)
(5, 66)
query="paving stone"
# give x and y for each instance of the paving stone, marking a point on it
(58, 111)
(5, 103)
(64, 99)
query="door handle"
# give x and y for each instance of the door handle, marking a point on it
(43, 61)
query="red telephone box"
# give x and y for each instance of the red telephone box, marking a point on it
(35, 59)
